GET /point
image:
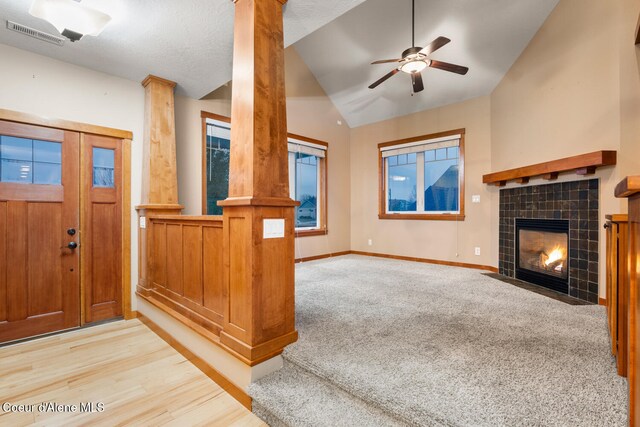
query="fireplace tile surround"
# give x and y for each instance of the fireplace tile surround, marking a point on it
(576, 201)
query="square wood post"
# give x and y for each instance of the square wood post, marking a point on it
(258, 269)
(159, 168)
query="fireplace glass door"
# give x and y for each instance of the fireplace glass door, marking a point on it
(542, 251)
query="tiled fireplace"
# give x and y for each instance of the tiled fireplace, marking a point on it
(549, 236)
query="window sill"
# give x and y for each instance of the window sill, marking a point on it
(307, 233)
(424, 217)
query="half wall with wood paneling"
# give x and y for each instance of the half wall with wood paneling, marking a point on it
(186, 267)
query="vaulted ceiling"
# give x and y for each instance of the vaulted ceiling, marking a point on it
(191, 42)
(486, 35)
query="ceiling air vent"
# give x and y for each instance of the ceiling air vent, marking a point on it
(22, 29)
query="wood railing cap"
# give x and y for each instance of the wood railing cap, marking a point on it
(187, 218)
(258, 201)
(617, 217)
(279, 1)
(158, 207)
(628, 187)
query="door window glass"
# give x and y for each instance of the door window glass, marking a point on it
(28, 161)
(103, 167)
(47, 162)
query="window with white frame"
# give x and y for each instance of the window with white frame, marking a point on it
(307, 174)
(422, 178)
(306, 161)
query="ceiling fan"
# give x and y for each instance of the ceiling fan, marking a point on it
(415, 59)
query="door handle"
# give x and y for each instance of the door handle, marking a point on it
(70, 245)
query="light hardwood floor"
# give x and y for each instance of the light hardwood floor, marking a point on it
(138, 377)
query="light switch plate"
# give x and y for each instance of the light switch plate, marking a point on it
(273, 228)
(475, 198)
(143, 222)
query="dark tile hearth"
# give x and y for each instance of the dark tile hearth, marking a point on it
(558, 296)
(575, 201)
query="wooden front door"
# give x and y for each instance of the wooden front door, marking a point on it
(101, 227)
(39, 222)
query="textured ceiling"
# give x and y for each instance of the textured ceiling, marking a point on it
(486, 35)
(188, 41)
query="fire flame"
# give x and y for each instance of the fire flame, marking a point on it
(556, 254)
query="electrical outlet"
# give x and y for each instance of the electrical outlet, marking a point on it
(477, 251)
(475, 198)
(370, 242)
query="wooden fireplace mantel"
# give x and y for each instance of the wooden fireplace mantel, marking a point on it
(583, 164)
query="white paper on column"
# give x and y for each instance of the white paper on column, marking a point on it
(273, 228)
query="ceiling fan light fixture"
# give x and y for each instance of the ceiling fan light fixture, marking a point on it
(71, 17)
(415, 59)
(414, 66)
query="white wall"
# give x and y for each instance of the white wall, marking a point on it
(46, 87)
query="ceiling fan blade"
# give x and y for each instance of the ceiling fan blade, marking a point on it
(458, 69)
(383, 78)
(385, 61)
(416, 82)
(434, 45)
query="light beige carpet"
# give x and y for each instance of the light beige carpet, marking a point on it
(424, 344)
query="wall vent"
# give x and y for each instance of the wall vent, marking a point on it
(22, 29)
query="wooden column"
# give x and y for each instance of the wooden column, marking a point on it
(159, 168)
(258, 271)
(159, 172)
(630, 188)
